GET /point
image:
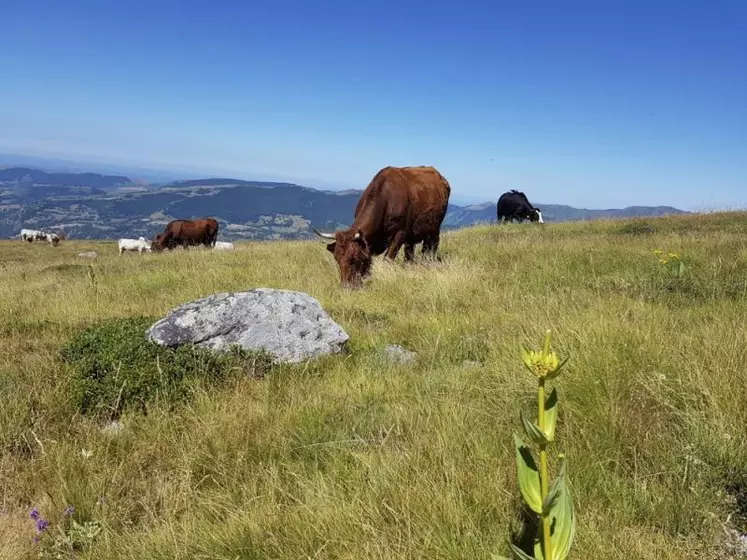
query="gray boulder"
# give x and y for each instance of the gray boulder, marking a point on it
(88, 255)
(292, 326)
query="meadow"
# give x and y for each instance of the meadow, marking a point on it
(355, 456)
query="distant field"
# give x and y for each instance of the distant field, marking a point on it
(354, 457)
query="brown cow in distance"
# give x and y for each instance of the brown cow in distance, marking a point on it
(400, 206)
(186, 233)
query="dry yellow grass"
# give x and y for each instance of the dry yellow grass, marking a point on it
(355, 457)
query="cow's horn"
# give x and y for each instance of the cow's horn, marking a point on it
(324, 235)
(357, 235)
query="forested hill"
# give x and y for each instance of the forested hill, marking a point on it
(96, 206)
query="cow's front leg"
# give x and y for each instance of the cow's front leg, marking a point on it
(394, 246)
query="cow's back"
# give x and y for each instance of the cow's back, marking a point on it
(424, 183)
(408, 190)
(511, 202)
(427, 200)
(192, 230)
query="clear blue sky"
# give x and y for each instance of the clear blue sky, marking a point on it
(596, 104)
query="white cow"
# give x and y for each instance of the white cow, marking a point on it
(53, 239)
(140, 244)
(223, 246)
(31, 235)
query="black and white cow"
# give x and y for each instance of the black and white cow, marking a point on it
(514, 205)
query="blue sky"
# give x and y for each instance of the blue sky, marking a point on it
(595, 104)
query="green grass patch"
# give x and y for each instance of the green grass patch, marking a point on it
(116, 368)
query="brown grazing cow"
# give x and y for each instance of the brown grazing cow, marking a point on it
(186, 233)
(400, 206)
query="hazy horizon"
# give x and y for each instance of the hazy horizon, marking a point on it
(156, 176)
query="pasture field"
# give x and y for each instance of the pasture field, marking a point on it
(356, 457)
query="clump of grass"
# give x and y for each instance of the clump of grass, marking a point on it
(635, 228)
(115, 367)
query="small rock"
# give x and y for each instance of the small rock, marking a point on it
(113, 427)
(291, 326)
(738, 542)
(88, 255)
(399, 354)
(471, 363)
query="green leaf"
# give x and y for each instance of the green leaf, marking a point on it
(528, 474)
(538, 554)
(520, 554)
(533, 432)
(526, 357)
(553, 374)
(563, 514)
(551, 415)
(552, 497)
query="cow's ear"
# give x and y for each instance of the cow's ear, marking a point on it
(331, 247)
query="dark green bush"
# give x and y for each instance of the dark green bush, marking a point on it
(116, 367)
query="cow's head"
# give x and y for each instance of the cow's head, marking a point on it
(353, 256)
(535, 215)
(157, 243)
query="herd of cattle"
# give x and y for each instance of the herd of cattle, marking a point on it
(32, 235)
(183, 233)
(400, 206)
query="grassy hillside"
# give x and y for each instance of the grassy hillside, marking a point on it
(355, 457)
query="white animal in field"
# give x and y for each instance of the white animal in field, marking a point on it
(223, 246)
(140, 244)
(31, 235)
(52, 238)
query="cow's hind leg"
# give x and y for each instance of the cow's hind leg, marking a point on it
(430, 247)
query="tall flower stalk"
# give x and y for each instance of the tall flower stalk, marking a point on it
(552, 503)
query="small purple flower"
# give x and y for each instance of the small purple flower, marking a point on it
(34, 514)
(37, 538)
(69, 510)
(41, 525)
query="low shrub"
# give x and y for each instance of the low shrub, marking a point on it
(116, 367)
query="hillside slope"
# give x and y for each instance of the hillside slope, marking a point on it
(356, 457)
(26, 176)
(95, 206)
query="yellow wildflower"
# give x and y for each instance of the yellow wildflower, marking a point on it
(674, 256)
(658, 252)
(543, 362)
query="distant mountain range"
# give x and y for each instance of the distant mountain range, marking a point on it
(99, 206)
